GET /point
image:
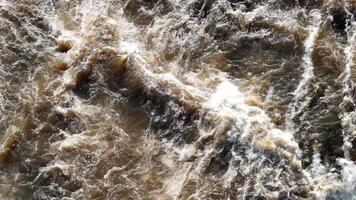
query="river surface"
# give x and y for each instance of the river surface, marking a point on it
(177, 99)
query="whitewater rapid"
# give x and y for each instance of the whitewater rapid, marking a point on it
(177, 99)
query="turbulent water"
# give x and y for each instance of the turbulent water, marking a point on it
(177, 99)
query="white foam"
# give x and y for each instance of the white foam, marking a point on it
(348, 174)
(308, 66)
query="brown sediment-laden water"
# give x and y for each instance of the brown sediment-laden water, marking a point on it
(177, 99)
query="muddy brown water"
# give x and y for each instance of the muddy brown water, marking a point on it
(177, 99)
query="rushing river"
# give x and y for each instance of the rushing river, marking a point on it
(177, 99)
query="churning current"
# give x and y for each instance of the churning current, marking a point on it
(177, 99)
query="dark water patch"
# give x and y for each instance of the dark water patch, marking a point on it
(143, 12)
(244, 5)
(320, 131)
(221, 161)
(341, 20)
(84, 80)
(170, 122)
(310, 4)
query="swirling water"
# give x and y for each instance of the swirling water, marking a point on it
(177, 99)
